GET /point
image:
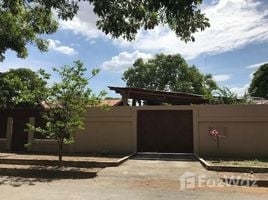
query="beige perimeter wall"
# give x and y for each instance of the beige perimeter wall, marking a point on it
(244, 127)
(107, 132)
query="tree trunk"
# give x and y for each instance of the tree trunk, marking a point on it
(60, 143)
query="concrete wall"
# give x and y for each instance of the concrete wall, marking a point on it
(113, 131)
(46, 146)
(245, 130)
(107, 132)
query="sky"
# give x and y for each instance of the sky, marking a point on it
(232, 49)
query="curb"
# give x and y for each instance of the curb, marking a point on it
(120, 161)
(221, 168)
(165, 156)
(36, 172)
(245, 182)
(48, 169)
(239, 181)
(80, 164)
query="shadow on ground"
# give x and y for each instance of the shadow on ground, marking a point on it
(33, 175)
(19, 181)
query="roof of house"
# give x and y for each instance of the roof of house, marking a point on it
(111, 102)
(157, 96)
(108, 102)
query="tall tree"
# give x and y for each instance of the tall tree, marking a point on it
(22, 87)
(169, 73)
(23, 21)
(126, 17)
(259, 84)
(67, 102)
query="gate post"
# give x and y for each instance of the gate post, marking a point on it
(134, 130)
(9, 133)
(195, 129)
(30, 134)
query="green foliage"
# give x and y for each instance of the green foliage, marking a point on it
(168, 73)
(112, 98)
(24, 21)
(67, 102)
(126, 17)
(225, 96)
(22, 87)
(259, 83)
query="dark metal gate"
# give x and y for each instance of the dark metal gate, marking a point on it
(165, 131)
(20, 117)
(19, 135)
(3, 125)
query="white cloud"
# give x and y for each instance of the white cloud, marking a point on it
(222, 77)
(240, 91)
(56, 46)
(123, 61)
(234, 24)
(257, 65)
(84, 23)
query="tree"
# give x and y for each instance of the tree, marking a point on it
(259, 84)
(22, 87)
(168, 73)
(23, 21)
(225, 96)
(67, 102)
(126, 17)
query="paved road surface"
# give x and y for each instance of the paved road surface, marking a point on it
(135, 179)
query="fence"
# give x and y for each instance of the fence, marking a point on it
(244, 129)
